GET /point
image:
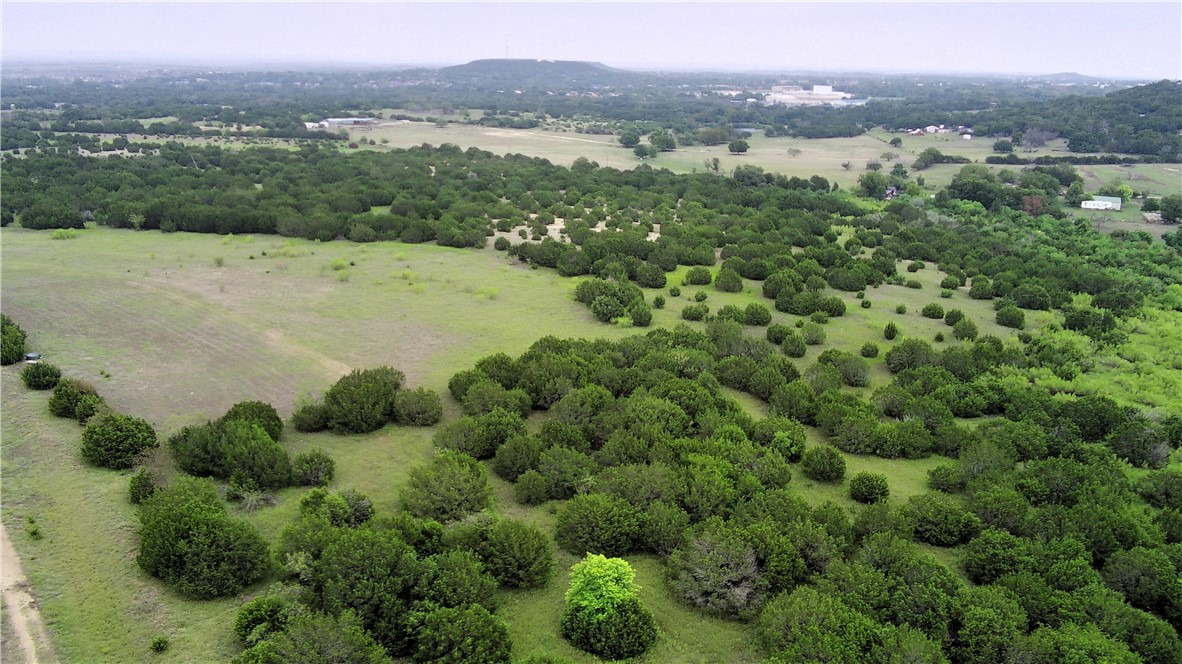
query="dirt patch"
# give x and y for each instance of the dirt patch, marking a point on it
(21, 609)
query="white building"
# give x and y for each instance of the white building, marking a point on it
(1102, 203)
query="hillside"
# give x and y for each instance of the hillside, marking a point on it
(529, 73)
(1141, 120)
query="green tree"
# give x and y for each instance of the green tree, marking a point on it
(1171, 208)
(1003, 146)
(597, 523)
(716, 570)
(630, 138)
(449, 487)
(319, 638)
(462, 635)
(823, 463)
(363, 400)
(739, 146)
(41, 376)
(807, 626)
(604, 615)
(117, 441)
(373, 573)
(188, 541)
(262, 414)
(419, 407)
(869, 488)
(517, 554)
(873, 184)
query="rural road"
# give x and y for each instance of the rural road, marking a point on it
(21, 607)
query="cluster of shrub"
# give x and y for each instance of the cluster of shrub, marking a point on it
(366, 400)
(650, 456)
(242, 448)
(109, 439)
(356, 586)
(459, 197)
(12, 341)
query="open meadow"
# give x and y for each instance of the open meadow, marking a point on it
(177, 327)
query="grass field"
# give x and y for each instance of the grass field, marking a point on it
(177, 327)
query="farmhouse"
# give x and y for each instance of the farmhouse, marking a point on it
(329, 123)
(1102, 203)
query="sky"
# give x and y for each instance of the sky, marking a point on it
(1135, 40)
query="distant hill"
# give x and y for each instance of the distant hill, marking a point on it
(523, 73)
(1145, 119)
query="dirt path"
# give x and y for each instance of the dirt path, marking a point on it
(21, 607)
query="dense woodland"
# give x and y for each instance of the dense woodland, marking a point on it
(639, 440)
(521, 94)
(1058, 513)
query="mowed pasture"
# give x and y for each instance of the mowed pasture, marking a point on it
(177, 327)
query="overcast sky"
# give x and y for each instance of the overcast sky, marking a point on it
(1126, 39)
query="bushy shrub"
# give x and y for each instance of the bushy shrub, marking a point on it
(597, 523)
(964, 330)
(794, 345)
(117, 441)
(932, 310)
(716, 570)
(953, 316)
(1011, 316)
(517, 554)
(531, 488)
(456, 578)
(604, 615)
(695, 311)
(480, 436)
(890, 331)
(823, 463)
(12, 341)
(419, 407)
(566, 471)
(258, 412)
(728, 281)
(869, 488)
(188, 541)
(41, 376)
(501, 244)
(813, 334)
(640, 314)
(310, 417)
(776, 332)
(67, 394)
(141, 487)
(313, 638)
(87, 406)
(869, 349)
(261, 617)
(462, 635)
(758, 315)
(940, 520)
(810, 626)
(363, 400)
(697, 276)
(313, 468)
(450, 487)
(518, 455)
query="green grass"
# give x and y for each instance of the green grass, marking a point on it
(169, 332)
(182, 339)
